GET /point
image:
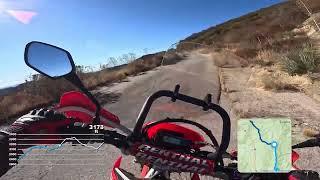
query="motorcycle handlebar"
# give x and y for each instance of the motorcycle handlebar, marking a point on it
(114, 138)
(188, 99)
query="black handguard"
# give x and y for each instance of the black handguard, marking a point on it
(20, 126)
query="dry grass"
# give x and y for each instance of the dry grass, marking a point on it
(246, 53)
(228, 59)
(308, 7)
(274, 82)
(270, 29)
(267, 57)
(262, 25)
(278, 80)
(15, 104)
(44, 91)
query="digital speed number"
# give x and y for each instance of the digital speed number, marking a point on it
(96, 128)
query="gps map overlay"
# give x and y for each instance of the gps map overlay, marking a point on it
(264, 145)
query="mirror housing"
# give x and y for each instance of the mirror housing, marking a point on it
(48, 59)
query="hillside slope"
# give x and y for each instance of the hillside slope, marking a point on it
(269, 28)
(253, 52)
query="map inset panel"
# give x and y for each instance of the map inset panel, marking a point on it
(264, 145)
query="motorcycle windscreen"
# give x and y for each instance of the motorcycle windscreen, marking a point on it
(77, 99)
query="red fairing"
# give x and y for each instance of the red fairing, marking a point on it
(195, 176)
(187, 133)
(144, 171)
(75, 98)
(294, 157)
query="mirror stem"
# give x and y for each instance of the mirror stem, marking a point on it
(72, 77)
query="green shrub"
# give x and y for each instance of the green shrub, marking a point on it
(302, 60)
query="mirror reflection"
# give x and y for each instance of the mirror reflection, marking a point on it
(48, 60)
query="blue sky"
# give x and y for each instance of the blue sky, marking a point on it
(93, 30)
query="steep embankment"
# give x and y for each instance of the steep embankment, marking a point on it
(257, 28)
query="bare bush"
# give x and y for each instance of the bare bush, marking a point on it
(267, 57)
(103, 66)
(113, 61)
(246, 52)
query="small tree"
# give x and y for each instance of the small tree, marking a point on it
(132, 57)
(113, 61)
(88, 69)
(124, 59)
(79, 69)
(103, 66)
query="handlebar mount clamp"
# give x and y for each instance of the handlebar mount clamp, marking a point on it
(208, 101)
(175, 93)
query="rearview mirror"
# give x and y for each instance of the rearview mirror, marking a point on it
(55, 62)
(48, 60)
